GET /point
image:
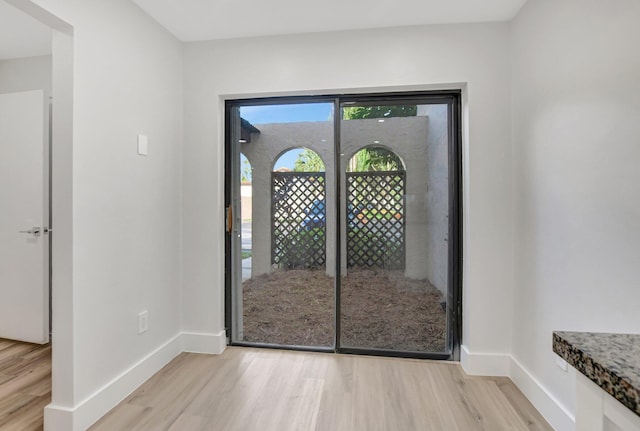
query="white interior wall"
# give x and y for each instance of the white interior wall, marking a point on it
(23, 74)
(127, 73)
(576, 140)
(474, 57)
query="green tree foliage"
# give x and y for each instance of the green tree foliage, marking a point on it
(372, 158)
(366, 112)
(308, 161)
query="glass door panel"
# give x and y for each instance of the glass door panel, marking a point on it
(367, 226)
(395, 228)
(283, 172)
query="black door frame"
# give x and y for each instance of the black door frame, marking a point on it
(452, 98)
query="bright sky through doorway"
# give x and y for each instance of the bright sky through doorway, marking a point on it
(291, 113)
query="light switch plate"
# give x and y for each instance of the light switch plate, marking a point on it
(143, 322)
(143, 145)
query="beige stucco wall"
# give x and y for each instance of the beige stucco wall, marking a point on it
(262, 152)
(419, 141)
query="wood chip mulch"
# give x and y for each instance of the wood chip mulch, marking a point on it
(380, 309)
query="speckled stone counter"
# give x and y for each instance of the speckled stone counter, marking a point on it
(611, 361)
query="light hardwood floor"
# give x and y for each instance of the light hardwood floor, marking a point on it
(25, 385)
(248, 389)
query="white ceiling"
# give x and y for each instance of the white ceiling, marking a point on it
(191, 20)
(21, 35)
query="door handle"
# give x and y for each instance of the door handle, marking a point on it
(229, 219)
(35, 231)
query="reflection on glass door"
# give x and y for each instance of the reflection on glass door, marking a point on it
(283, 291)
(394, 285)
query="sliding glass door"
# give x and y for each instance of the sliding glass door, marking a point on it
(282, 248)
(343, 221)
(395, 165)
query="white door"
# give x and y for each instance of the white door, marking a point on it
(24, 206)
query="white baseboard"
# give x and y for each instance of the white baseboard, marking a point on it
(558, 416)
(87, 412)
(213, 344)
(494, 364)
(57, 418)
(484, 364)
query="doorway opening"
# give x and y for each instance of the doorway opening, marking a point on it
(355, 223)
(26, 74)
(48, 70)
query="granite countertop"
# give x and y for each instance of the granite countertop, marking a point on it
(612, 361)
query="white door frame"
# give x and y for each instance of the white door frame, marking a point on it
(62, 394)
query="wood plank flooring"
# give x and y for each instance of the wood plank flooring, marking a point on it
(25, 385)
(248, 389)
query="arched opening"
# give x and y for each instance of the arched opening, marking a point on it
(298, 160)
(298, 210)
(375, 159)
